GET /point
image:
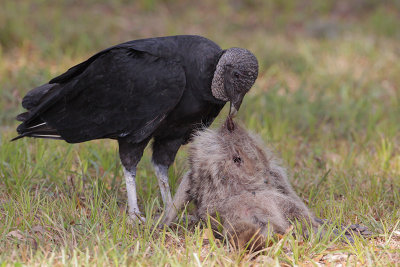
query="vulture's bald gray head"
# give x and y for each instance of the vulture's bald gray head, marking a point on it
(235, 74)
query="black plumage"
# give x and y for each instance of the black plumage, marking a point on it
(162, 88)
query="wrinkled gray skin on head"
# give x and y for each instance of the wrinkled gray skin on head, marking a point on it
(235, 74)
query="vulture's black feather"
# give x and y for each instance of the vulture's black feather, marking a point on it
(161, 88)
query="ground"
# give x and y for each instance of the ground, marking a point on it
(327, 100)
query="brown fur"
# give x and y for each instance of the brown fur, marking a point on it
(246, 235)
(233, 176)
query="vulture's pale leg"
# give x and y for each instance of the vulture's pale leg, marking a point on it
(133, 209)
(130, 154)
(180, 199)
(164, 152)
(162, 177)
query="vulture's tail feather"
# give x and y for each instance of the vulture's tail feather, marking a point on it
(35, 102)
(39, 130)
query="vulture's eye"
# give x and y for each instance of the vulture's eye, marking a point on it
(236, 74)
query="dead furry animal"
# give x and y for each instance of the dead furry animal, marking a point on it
(234, 177)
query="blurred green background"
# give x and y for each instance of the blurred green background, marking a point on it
(293, 40)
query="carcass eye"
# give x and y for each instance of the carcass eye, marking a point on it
(237, 160)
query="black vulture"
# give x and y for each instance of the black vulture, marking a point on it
(158, 88)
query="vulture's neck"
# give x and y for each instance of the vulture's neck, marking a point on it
(217, 84)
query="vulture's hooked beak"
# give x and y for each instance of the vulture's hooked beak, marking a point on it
(232, 110)
(235, 105)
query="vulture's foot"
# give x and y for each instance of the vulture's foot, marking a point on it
(136, 217)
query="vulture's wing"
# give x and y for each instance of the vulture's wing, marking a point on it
(119, 92)
(159, 47)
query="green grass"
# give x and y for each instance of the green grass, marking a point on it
(327, 100)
